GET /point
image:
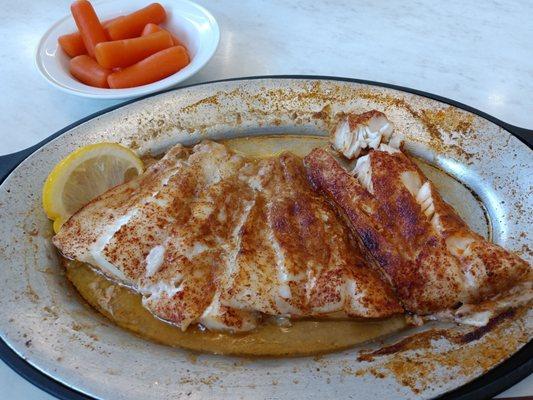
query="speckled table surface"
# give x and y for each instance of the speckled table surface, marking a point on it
(478, 53)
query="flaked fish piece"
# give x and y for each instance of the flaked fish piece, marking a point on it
(433, 260)
(357, 132)
(209, 237)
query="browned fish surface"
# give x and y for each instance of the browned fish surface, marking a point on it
(214, 238)
(297, 258)
(433, 260)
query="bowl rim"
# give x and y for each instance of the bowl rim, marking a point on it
(126, 93)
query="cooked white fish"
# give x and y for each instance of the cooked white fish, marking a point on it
(433, 260)
(209, 237)
(357, 132)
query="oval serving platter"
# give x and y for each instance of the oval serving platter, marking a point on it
(52, 338)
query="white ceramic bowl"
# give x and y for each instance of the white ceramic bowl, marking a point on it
(192, 24)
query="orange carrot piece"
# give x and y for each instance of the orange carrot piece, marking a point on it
(151, 69)
(108, 22)
(88, 71)
(72, 43)
(176, 41)
(133, 24)
(126, 52)
(91, 30)
(151, 28)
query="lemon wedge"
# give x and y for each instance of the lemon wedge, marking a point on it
(85, 174)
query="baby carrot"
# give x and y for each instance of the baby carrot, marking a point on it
(151, 28)
(92, 32)
(126, 52)
(151, 69)
(72, 43)
(88, 71)
(133, 24)
(108, 22)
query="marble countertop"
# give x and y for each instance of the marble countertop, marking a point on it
(478, 53)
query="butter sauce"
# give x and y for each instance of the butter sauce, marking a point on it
(123, 307)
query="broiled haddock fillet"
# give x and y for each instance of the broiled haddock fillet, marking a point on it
(210, 237)
(162, 233)
(431, 257)
(296, 257)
